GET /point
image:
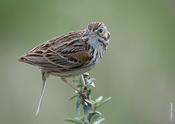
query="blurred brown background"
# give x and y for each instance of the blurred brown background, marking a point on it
(138, 70)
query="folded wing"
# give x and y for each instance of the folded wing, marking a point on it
(63, 53)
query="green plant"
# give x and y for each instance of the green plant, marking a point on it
(90, 115)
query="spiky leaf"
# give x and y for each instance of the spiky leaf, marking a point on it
(103, 102)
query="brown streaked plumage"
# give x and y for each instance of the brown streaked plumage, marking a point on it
(68, 55)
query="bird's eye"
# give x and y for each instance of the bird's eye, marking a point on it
(100, 30)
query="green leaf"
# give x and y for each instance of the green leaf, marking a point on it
(99, 99)
(99, 113)
(87, 108)
(90, 101)
(103, 102)
(96, 118)
(74, 120)
(91, 82)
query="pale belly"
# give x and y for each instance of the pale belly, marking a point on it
(73, 72)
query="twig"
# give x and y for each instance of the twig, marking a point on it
(90, 115)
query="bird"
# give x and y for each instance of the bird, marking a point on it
(70, 54)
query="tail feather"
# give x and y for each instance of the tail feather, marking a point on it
(41, 98)
(25, 60)
(32, 59)
(44, 76)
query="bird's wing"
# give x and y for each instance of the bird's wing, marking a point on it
(68, 52)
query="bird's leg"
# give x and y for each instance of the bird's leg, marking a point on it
(44, 77)
(81, 93)
(70, 85)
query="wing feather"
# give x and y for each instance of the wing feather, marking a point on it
(61, 53)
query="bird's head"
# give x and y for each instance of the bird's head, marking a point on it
(99, 31)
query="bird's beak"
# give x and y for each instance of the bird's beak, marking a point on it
(107, 36)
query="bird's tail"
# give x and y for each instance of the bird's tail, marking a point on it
(42, 93)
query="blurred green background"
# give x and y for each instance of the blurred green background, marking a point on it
(138, 70)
